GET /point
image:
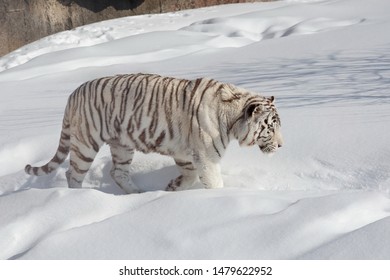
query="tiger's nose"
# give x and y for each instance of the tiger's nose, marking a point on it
(279, 145)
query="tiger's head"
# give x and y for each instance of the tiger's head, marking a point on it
(260, 126)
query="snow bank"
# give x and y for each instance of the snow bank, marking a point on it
(87, 224)
(111, 30)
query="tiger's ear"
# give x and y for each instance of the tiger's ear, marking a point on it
(252, 110)
(271, 99)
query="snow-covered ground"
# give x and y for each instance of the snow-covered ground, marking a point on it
(324, 195)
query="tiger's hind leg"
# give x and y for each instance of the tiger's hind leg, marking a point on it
(122, 156)
(188, 177)
(81, 158)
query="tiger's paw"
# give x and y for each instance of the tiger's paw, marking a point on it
(170, 188)
(175, 185)
(123, 179)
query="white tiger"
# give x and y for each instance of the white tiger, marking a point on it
(192, 121)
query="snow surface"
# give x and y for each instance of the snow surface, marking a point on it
(324, 195)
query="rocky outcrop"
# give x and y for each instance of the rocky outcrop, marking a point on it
(24, 21)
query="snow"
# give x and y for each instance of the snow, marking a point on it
(324, 195)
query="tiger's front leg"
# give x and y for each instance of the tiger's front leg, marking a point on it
(210, 174)
(188, 177)
(209, 169)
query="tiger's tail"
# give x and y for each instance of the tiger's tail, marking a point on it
(61, 153)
